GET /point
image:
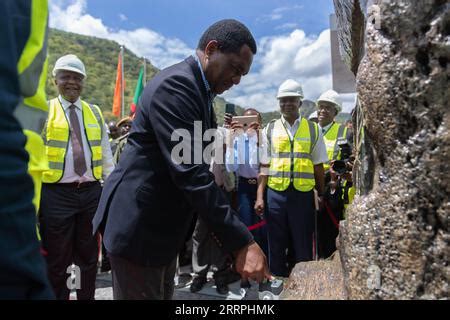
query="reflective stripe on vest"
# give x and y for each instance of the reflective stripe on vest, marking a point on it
(32, 69)
(291, 160)
(58, 134)
(31, 65)
(334, 133)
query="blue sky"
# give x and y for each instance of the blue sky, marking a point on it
(187, 19)
(293, 37)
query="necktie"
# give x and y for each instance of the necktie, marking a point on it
(79, 162)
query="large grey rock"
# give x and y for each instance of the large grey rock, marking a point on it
(395, 242)
(316, 280)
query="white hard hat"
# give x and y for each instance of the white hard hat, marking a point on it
(69, 62)
(332, 97)
(290, 88)
(313, 115)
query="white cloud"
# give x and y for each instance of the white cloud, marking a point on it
(278, 13)
(286, 26)
(123, 17)
(295, 55)
(71, 15)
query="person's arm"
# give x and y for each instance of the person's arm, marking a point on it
(259, 204)
(319, 176)
(176, 105)
(107, 159)
(319, 157)
(264, 165)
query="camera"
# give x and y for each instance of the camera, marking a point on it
(340, 166)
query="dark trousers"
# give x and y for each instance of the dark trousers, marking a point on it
(328, 223)
(290, 225)
(247, 198)
(207, 255)
(135, 282)
(66, 215)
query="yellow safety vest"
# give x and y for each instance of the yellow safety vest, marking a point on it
(334, 133)
(57, 139)
(291, 159)
(32, 109)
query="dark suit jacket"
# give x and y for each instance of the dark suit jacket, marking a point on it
(148, 201)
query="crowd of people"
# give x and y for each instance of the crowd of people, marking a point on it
(275, 198)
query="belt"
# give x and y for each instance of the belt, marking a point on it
(79, 185)
(249, 181)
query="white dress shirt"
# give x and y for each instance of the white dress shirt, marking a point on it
(69, 172)
(242, 157)
(319, 152)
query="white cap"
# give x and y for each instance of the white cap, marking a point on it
(332, 97)
(290, 88)
(69, 62)
(313, 115)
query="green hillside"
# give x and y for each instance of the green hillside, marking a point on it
(100, 59)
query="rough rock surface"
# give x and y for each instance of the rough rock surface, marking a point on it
(399, 233)
(395, 241)
(316, 280)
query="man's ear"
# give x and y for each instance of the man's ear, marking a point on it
(211, 48)
(55, 82)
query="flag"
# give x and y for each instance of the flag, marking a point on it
(118, 91)
(138, 91)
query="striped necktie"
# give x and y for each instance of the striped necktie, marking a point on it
(79, 162)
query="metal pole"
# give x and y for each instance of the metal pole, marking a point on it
(145, 72)
(123, 82)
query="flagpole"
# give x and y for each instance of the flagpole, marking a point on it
(145, 72)
(123, 76)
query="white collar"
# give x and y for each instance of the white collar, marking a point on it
(285, 122)
(327, 127)
(66, 104)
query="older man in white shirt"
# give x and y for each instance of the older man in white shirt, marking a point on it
(80, 158)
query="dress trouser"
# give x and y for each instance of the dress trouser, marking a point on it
(66, 215)
(290, 225)
(135, 282)
(247, 198)
(206, 254)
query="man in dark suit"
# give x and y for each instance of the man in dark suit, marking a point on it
(148, 201)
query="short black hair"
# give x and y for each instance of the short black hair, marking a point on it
(230, 34)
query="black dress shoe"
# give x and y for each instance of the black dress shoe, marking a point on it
(245, 284)
(222, 288)
(197, 284)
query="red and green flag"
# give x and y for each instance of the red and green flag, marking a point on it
(138, 91)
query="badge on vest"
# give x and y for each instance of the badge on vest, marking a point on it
(92, 125)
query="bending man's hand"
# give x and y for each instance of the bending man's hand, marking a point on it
(251, 263)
